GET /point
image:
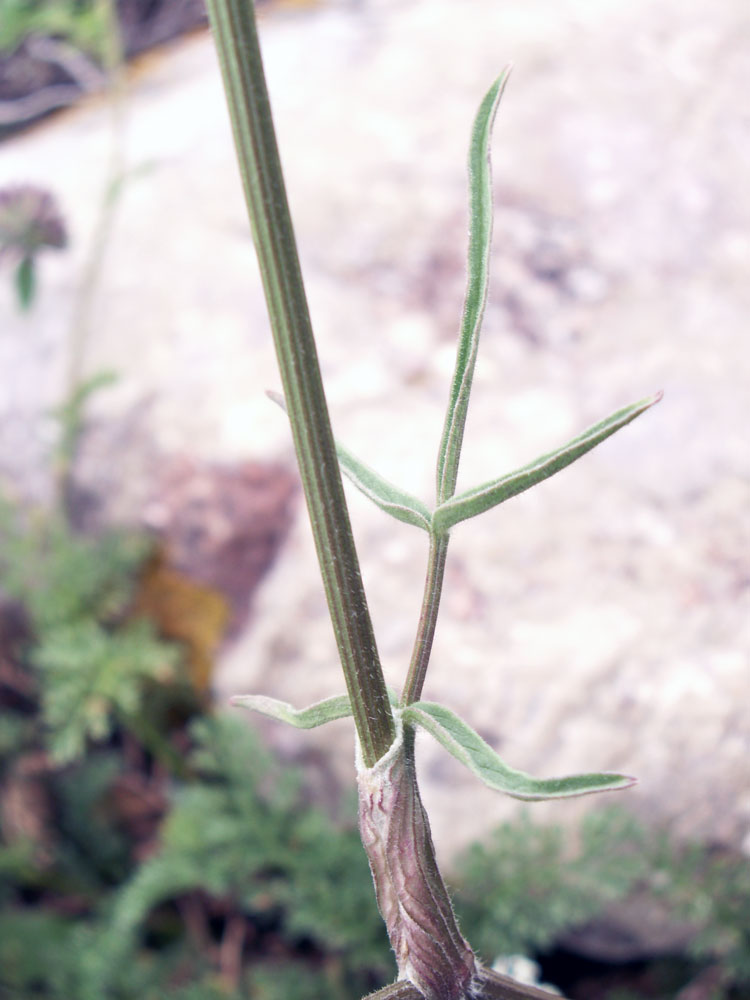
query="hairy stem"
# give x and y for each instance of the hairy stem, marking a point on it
(430, 951)
(236, 37)
(433, 588)
(400, 990)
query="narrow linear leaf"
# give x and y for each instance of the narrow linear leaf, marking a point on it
(328, 710)
(470, 749)
(338, 707)
(399, 504)
(478, 265)
(488, 495)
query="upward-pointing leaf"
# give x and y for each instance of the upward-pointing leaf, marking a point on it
(488, 495)
(467, 746)
(478, 267)
(398, 503)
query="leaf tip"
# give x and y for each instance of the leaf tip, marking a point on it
(276, 397)
(611, 781)
(506, 72)
(498, 87)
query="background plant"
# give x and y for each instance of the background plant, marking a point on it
(30, 222)
(252, 876)
(84, 23)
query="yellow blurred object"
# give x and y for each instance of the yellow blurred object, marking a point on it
(184, 611)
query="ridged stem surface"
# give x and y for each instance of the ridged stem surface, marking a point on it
(236, 37)
(430, 951)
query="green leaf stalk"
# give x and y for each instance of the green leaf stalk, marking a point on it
(434, 960)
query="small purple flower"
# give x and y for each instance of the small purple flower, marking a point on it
(30, 220)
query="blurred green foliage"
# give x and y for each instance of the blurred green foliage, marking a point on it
(524, 887)
(240, 832)
(711, 890)
(76, 592)
(84, 23)
(239, 842)
(135, 843)
(61, 576)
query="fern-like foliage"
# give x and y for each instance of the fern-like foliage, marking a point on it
(75, 590)
(45, 956)
(93, 853)
(711, 890)
(240, 832)
(92, 676)
(524, 887)
(60, 576)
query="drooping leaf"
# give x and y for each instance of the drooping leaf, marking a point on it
(394, 501)
(468, 747)
(488, 495)
(315, 715)
(480, 238)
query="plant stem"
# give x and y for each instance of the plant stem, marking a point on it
(79, 334)
(430, 950)
(433, 588)
(235, 32)
(113, 59)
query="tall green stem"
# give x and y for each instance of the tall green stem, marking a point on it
(113, 60)
(233, 23)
